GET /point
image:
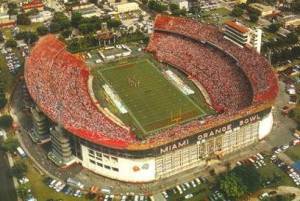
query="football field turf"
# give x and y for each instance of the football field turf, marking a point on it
(152, 101)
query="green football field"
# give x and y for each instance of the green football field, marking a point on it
(151, 100)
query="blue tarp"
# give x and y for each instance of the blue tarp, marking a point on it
(297, 166)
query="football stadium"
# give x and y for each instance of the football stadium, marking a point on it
(192, 96)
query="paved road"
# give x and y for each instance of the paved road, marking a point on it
(281, 190)
(7, 189)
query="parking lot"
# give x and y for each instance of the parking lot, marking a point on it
(12, 60)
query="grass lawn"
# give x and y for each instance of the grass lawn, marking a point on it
(40, 190)
(294, 153)
(219, 15)
(8, 31)
(270, 170)
(151, 100)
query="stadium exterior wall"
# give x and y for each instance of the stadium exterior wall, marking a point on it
(179, 156)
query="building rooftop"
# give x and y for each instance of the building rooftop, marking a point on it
(238, 26)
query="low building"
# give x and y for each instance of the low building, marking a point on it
(116, 1)
(41, 17)
(261, 9)
(242, 35)
(127, 7)
(183, 4)
(87, 10)
(241, 1)
(6, 21)
(34, 4)
(291, 21)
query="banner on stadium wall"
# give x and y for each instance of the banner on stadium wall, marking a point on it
(193, 139)
(200, 137)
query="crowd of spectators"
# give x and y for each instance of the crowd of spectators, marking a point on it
(224, 81)
(57, 81)
(237, 80)
(256, 68)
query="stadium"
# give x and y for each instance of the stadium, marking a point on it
(194, 96)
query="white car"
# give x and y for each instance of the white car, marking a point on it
(285, 147)
(52, 183)
(198, 181)
(278, 151)
(187, 185)
(179, 189)
(124, 197)
(24, 180)
(183, 187)
(188, 196)
(57, 185)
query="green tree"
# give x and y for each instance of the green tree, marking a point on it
(28, 37)
(11, 43)
(1, 37)
(76, 19)
(85, 28)
(237, 11)
(12, 9)
(292, 38)
(254, 16)
(23, 19)
(19, 169)
(42, 30)
(10, 144)
(157, 6)
(249, 176)
(232, 186)
(3, 99)
(66, 33)
(112, 23)
(54, 27)
(195, 9)
(6, 121)
(274, 27)
(296, 6)
(59, 22)
(175, 10)
(33, 12)
(23, 191)
(74, 46)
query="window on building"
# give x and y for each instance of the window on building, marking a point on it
(114, 159)
(115, 169)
